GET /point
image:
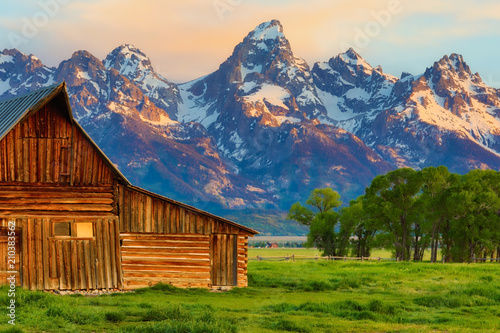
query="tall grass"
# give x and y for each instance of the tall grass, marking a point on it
(305, 296)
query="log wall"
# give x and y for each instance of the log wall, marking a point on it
(49, 200)
(179, 260)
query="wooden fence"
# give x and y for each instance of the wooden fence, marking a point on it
(294, 257)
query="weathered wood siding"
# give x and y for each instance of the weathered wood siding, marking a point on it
(242, 261)
(50, 200)
(142, 212)
(10, 261)
(160, 219)
(179, 260)
(47, 148)
(68, 263)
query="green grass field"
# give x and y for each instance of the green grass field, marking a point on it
(305, 296)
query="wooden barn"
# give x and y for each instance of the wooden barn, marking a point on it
(78, 223)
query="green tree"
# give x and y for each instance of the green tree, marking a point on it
(473, 205)
(390, 199)
(355, 221)
(321, 219)
(435, 182)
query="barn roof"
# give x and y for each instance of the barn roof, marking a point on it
(17, 109)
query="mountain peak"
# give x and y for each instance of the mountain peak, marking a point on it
(454, 63)
(267, 30)
(351, 54)
(129, 50)
(127, 60)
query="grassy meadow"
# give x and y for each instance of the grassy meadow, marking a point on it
(305, 296)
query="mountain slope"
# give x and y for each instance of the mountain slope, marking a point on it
(265, 129)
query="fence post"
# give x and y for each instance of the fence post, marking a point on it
(345, 258)
(442, 260)
(362, 258)
(378, 259)
(397, 259)
(259, 258)
(293, 257)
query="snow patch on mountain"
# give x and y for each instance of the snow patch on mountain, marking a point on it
(271, 94)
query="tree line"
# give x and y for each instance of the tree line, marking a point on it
(409, 212)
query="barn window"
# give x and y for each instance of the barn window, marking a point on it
(62, 229)
(84, 230)
(78, 229)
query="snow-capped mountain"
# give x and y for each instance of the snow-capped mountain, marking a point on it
(445, 116)
(265, 128)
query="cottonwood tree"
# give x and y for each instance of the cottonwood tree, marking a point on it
(390, 198)
(355, 221)
(321, 219)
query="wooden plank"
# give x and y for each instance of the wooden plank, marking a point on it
(148, 214)
(42, 151)
(112, 253)
(26, 159)
(60, 265)
(57, 159)
(95, 168)
(25, 263)
(18, 161)
(154, 215)
(128, 213)
(66, 250)
(100, 255)
(106, 251)
(81, 265)
(177, 269)
(87, 264)
(93, 263)
(118, 258)
(74, 265)
(132, 253)
(135, 211)
(45, 251)
(33, 160)
(161, 217)
(78, 157)
(89, 163)
(61, 207)
(168, 219)
(223, 259)
(121, 208)
(229, 260)
(32, 254)
(61, 200)
(49, 172)
(43, 188)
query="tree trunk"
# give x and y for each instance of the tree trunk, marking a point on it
(416, 250)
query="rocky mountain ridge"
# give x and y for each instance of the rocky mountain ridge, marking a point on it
(266, 128)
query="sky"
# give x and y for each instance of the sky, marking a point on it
(191, 38)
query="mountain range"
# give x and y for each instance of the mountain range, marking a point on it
(265, 128)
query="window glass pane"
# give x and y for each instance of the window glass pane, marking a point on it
(62, 229)
(84, 230)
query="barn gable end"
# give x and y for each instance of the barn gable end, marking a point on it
(81, 225)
